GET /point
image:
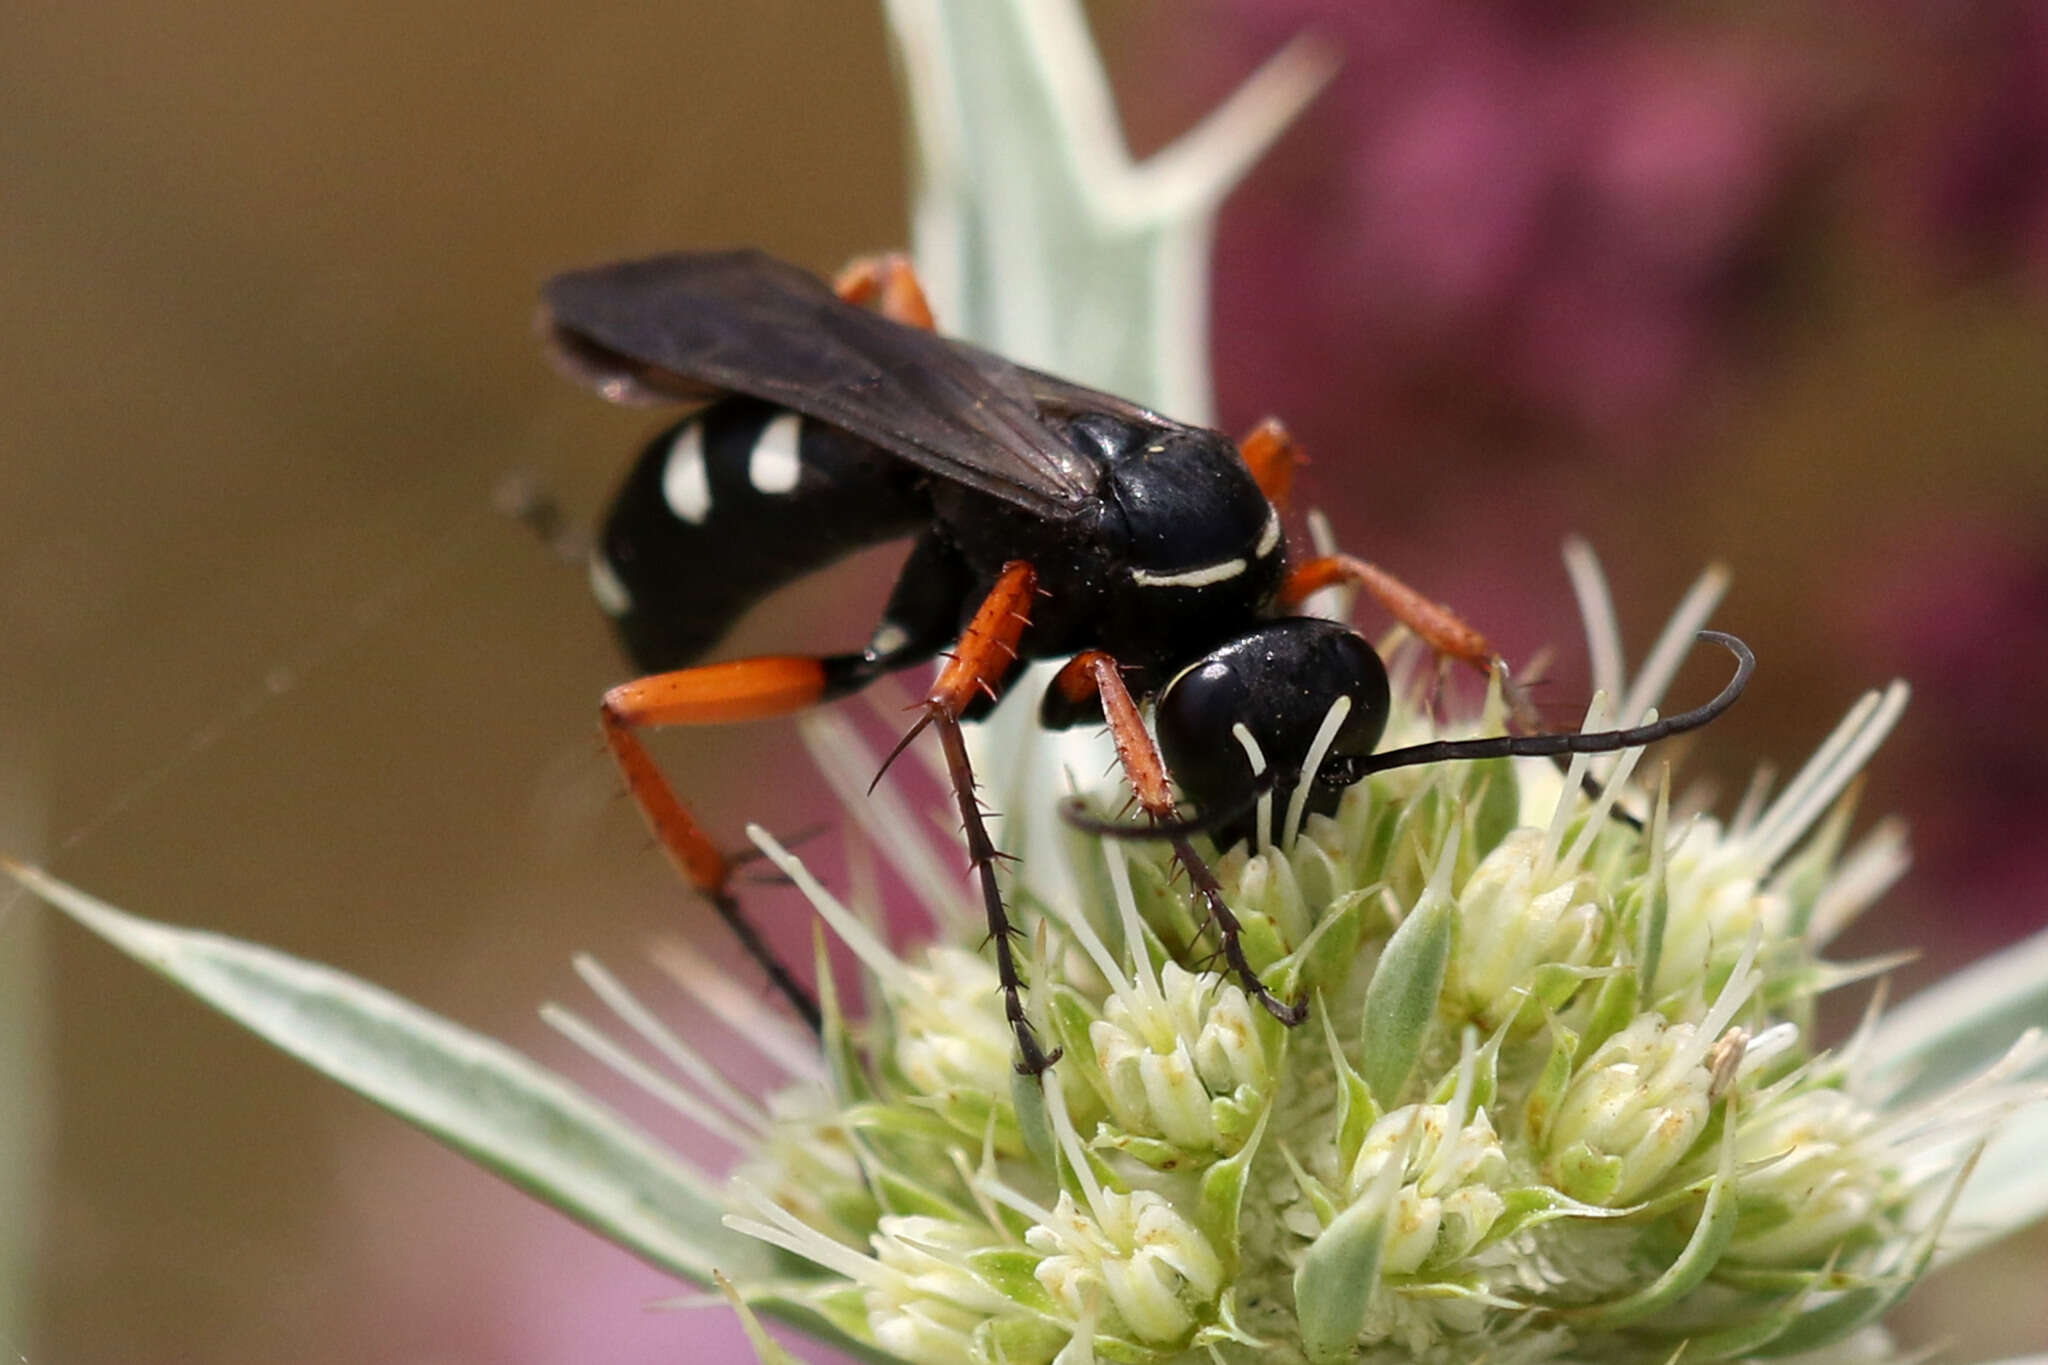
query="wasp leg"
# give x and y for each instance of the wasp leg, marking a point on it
(890, 282)
(919, 619)
(1438, 627)
(744, 689)
(1271, 454)
(1093, 671)
(977, 666)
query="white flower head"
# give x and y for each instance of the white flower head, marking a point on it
(1554, 1102)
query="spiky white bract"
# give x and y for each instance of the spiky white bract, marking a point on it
(1555, 1101)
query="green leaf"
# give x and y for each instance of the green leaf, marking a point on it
(1012, 1272)
(1747, 1338)
(1498, 809)
(1356, 1111)
(1401, 998)
(1540, 1109)
(1020, 1338)
(1331, 953)
(1951, 1032)
(1613, 1007)
(2010, 1188)
(1335, 1284)
(1858, 1308)
(474, 1094)
(1222, 1197)
(1036, 233)
(1703, 1251)
(1530, 1206)
(1027, 1100)
(850, 1083)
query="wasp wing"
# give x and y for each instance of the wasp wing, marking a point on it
(1056, 397)
(687, 326)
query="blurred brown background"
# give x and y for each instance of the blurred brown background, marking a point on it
(269, 662)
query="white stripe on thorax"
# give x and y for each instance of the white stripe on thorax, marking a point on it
(1269, 537)
(1190, 578)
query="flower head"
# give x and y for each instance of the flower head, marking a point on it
(1555, 1100)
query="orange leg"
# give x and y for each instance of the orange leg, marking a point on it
(745, 689)
(890, 282)
(1271, 454)
(1435, 624)
(754, 689)
(1093, 671)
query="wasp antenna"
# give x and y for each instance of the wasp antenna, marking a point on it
(1571, 742)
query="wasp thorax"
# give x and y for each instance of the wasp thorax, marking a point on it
(1193, 513)
(1256, 706)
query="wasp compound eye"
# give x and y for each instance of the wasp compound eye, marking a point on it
(1275, 685)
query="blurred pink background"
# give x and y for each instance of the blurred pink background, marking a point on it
(1699, 285)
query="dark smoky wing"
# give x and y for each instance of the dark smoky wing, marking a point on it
(742, 322)
(1056, 397)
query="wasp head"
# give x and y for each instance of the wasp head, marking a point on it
(1259, 705)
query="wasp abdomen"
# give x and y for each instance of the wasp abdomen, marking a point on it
(730, 504)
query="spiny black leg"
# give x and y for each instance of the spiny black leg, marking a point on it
(1228, 936)
(986, 651)
(794, 991)
(982, 854)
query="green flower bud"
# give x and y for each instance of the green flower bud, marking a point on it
(1588, 1174)
(950, 1031)
(1450, 1190)
(1180, 1068)
(1631, 1113)
(1522, 918)
(1808, 1184)
(1135, 1264)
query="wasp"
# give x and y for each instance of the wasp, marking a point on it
(1047, 520)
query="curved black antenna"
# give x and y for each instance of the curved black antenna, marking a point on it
(1074, 810)
(1343, 772)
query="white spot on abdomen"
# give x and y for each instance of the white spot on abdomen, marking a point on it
(1189, 578)
(611, 594)
(685, 485)
(774, 467)
(890, 638)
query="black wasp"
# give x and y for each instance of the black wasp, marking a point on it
(1047, 520)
